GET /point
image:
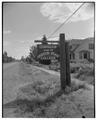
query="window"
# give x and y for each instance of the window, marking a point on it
(84, 55)
(91, 46)
(72, 56)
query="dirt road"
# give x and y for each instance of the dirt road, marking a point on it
(13, 77)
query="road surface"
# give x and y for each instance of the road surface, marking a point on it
(13, 77)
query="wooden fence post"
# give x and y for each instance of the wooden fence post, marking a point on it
(68, 78)
(62, 62)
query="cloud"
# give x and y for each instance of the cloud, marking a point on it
(6, 32)
(58, 12)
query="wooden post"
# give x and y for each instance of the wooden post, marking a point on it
(62, 62)
(68, 78)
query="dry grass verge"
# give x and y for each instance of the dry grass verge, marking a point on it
(40, 95)
(45, 99)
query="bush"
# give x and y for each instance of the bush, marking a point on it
(86, 74)
(91, 60)
(74, 69)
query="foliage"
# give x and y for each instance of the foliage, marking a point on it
(86, 74)
(32, 55)
(6, 58)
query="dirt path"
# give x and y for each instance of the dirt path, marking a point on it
(48, 71)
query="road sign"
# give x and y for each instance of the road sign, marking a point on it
(48, 51)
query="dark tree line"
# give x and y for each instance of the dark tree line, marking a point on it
(7, 58)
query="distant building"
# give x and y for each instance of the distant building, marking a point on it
(81, 50)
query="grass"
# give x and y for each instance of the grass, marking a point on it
(42, 94)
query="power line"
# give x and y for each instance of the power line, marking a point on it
(66, 19)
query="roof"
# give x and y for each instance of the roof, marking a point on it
(76, 43)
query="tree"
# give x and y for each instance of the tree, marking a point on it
(5, 53)
(5, 57)
(10, 59)
(32, 57)
(28, 59)
(22, 58)
(33, 53)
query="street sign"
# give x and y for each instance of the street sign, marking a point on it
(48, 51)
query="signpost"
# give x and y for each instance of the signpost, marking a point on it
(68, 78)
(53, 51)
(62, 61)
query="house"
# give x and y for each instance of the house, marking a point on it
(81, 50)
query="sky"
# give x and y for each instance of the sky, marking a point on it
(25, 22)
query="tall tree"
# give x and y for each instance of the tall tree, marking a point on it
(33, 53)
(5, 54)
